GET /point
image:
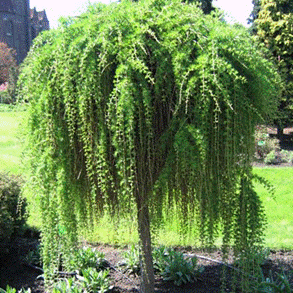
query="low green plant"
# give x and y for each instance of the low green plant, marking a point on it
(13, 290)
(90, 276)
(84, 258)
(67, 286)
(131, 260)
(174, 267)
(5, 97)
(275, 157)
(18, 109)
(94, 281)
(279, 284)
(8, 290)
(5, 108)
(34, 256)
(159, 258)
(271, 158)
(287, 156)
(170, 264)
(12, 206)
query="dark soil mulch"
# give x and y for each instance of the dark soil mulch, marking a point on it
(15, 271)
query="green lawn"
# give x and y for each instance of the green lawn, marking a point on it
(10, 150)
(10, 153)
(279, 209)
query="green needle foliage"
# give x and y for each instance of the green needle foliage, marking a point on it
(135, 106)
(274, 30)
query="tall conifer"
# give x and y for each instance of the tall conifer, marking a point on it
(275, 30)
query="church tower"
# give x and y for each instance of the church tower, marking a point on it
(16, 25)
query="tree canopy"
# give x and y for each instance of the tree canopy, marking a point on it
(206, 6)
(7, 62)
(143, 102)
(254, 15)
(8, 70)
(274, 29)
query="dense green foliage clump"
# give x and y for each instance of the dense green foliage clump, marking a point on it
(12, 207)
(135, 106)
(274, 29)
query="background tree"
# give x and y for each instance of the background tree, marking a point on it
(8, 69)
(206, 6)
(139, 103)
(275, 30)
(254, 15)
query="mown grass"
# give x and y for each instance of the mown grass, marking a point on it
(124, 231)
(279, 209)
(10, 147)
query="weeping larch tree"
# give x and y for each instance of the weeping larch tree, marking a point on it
(133, 103)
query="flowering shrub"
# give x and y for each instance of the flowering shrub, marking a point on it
(3, 86)
(8, 74)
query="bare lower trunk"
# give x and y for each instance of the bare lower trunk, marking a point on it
(280, 131)
(146, 261)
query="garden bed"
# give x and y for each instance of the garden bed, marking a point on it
(15, 271)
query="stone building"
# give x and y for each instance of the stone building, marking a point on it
(19, 25)
(39, 22)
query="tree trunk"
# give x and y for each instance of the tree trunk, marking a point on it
(147, 284)
(280, 131)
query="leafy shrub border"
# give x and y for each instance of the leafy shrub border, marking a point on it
(12, 206)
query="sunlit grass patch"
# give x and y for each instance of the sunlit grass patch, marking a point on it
(10, 147)
(279, 208)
